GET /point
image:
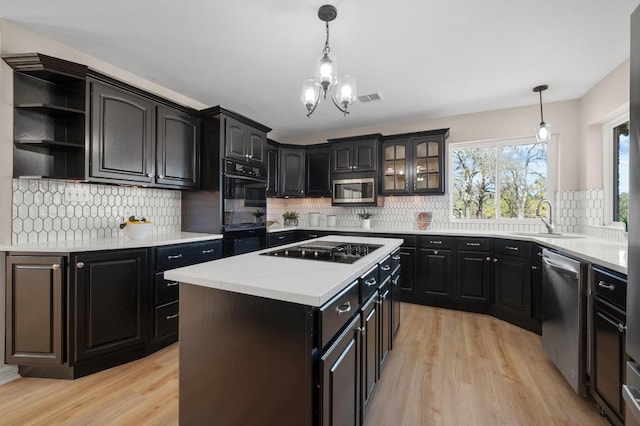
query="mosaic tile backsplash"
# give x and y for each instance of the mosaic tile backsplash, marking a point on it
(45, 210)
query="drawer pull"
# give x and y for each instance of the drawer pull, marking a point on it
(511, 248)
(344, 308)
(313, 235)
(602, 284)
(282, 237)
(371, 282)
(169, 317)
(55, 266)
(473, 244)
(395, 281)
(435, 242)
(622, 328)
(383, 297)
(177, 256)
(80, 265)
(207, 251)
(385, 268)
(535, 268)
(173, 284)
(362, 330)
(395, 257)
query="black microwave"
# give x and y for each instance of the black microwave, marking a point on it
(354, 192)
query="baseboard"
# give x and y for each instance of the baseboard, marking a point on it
(8, 373)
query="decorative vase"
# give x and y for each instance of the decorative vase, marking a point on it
(291, 222)
(366, 223)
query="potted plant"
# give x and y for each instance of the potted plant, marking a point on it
(258, 214)
(366, 219)
(290, 218)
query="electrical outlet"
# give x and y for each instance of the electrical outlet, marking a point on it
(76, 195)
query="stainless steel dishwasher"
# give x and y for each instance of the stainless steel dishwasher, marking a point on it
(564, 331)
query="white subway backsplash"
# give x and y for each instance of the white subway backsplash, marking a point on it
(42, 213)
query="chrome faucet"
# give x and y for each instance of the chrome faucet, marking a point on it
(549, 225)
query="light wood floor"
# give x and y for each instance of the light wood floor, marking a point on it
(447, 368)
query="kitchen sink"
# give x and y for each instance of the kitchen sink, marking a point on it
(548, 235)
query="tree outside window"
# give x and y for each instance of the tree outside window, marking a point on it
(621, 173)
(501, 180)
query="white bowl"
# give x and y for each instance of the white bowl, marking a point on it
(137, 231)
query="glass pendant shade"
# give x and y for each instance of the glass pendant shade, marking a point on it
(543, 132)
(326, 74)
(309, 94)
(347, 92)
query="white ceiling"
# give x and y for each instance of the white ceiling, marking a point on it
(429, 58)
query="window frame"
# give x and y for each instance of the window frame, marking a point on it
(552, 167)
(608, 157)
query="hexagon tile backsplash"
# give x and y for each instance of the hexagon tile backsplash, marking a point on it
(43, 210)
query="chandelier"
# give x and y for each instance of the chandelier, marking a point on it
(326, 75)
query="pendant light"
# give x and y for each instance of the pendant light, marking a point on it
(543, 131)
(326, 75)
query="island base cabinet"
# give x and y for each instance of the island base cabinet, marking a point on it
(243, 359)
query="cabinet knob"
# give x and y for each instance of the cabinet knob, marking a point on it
(55, 266)
(622, 328)
(173, 284)
(371, 282)
(160, 176)
(435, 252)
(385, 268)
(361, 330)
(80, 265)
(344, 308)
(488, 259)
(495, 260)
(535, 268)
(149, 174)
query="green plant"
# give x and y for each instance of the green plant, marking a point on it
(134, 220)
(258, 213)
(290, 215)
(365, 215)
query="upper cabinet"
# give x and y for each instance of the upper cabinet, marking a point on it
(49, 116)
(244, 142)
(414, 163)
(291, 177)
(178, 148)
(355, 154)
(318, 171)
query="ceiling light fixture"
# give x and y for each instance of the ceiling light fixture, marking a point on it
(326, 75)
(543, 131)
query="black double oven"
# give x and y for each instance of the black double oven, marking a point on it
(244, 207)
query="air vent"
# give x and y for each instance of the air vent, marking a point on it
(370, 97)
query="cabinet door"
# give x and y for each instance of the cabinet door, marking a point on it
(428, 165)
(395, 167)
(177, 148)
(34, 317)
(474, 277)
(435, 269)
(512, 278)
(365, 158)
(342, 157)
(385, 324)
(608, 356)
(291, 172)
(256, 142)
(272, 171)
(122, 135)
(395, 304)
(235, 136)
(408, 273)
(371, 333)
(110, 290)
(339, 376)
(318, 172)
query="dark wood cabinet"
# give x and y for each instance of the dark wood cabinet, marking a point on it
(473, 270)
(355, 154)
(318, 171)
(536, 285)
(271, 155)
(385, 306)
(110, 294)
(35, 309)
(607, 303)
(282, 238)
(513, 285)
(243, 142)
(292, 172)
(414, 163)
(48, 116)
(370, 336)
(177, 148)
(435, 269)
(395, 295)
(122, 135)
(408, 273)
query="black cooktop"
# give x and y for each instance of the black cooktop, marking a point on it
(326, 251)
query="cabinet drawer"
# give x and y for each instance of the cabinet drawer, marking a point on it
(369, 282)
(436, 242)
(175, 256)
(335, 313)
(395, 259)
(166, 290)
(206, 251)
(386, 266)
(166, 320)
(473, 244)
(513, 248)
(611, 287)
(280, 238)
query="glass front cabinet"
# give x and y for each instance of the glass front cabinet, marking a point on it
(414, 163)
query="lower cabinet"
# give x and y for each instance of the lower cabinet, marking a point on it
(281, 238)
(385, 326)
(435, 269)
(473, 271)
(370, 336)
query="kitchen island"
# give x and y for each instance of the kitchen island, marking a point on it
(275, 340)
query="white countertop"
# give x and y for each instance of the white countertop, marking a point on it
(308, 282)
(607, 253)
(152, 240)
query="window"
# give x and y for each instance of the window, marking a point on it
(503, 179)
(621, 172)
